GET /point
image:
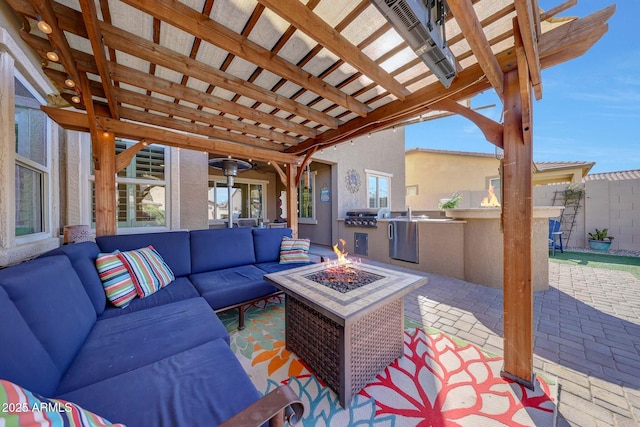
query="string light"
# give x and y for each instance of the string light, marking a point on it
(105, 134)
(75, 99)
(394, 128)
(69, 82)
(335, 147)
(352, 142)
(369, 136)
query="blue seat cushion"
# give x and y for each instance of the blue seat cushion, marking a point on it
(221, 248)
(23, 360)
(125, 343)
(173, 246)
(202, 386)
(266, 242)
(178, 290)
(274, 267)
(83, 259)
(230, 286)
(50, 297)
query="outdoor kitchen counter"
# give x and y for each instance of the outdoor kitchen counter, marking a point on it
(441, 247)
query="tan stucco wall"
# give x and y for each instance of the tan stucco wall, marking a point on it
(382, 152)
(438, 175)
(193, 190)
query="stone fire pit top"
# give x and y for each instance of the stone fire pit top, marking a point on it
(349, 306)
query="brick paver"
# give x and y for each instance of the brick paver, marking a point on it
(586, 333)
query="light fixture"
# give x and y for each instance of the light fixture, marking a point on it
(53, 56)
(105, 134)
(352, 142)
(69, 82)
(335, 147)
(369, 136)
(43, 26)
(394, 128)
(144, 143)
(75, 99)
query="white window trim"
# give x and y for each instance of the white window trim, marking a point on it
(371, 172)
(46, 170)
(86, 211)
(263, 182)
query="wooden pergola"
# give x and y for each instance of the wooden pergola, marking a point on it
(276, 80)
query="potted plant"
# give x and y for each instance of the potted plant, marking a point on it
(599, 240)
(450, 203)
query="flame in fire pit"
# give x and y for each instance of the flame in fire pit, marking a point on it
(491, 201)
(342, 255)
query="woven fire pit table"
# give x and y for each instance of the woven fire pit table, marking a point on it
(346, 322)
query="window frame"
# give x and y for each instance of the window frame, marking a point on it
(378, 174)
(312, 219)
(166, 182)
(248, 181)
(43, 170)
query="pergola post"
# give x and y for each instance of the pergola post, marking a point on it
(104, 152)
(292, 199)
(517, 211)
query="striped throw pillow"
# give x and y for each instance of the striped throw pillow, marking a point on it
(20, 407)
(294, 250)
(116, 279)
(148, 270)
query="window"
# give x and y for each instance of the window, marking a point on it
(31, 167)
(141, 188)
(412, 190)
(306, 198)
(495, 183)
(247, 199)
(378, 189)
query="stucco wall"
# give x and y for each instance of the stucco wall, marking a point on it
(381, 152)
(193, 190)
(438, 175)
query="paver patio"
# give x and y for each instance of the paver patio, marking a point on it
(586, 329)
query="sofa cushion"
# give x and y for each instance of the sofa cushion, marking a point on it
(23, 360)
(266, 242)
(53, 302)
(173, 246)
(83, 259)
(148, 270)
(34, 410)
(274, 267)
(178, 290)
(202, 386)
(221, 248)
(230, 286)
(124, 343)
(116, 279)
(294, 250)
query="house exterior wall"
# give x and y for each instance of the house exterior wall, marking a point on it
(193, 184)
(381, 152)
(439, 175)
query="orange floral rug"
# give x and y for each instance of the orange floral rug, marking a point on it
(440, 381)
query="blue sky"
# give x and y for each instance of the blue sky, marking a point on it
(590, 106)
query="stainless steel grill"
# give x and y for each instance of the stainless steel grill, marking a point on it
(367, 218)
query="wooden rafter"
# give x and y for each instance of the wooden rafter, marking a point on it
(558, 9)
(304, 164)
(470, 26)
(124, 157)
(79, 121)
(169, 88)
(189, 67)
(195, 115)
(90, 18)
(183, 17)
(308, 22)
(529, 34)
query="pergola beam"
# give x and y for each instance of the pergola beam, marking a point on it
(558, 9)
(492, 131)
(303, 18)
(529, 35)
(137, 46)
(466, 17)
(79, 121)
(90, 17)
(182, 16)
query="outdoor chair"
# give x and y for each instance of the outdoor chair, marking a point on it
(555, 236)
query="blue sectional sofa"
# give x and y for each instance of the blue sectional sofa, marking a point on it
(164, 360)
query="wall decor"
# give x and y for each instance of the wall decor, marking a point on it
(352, 181)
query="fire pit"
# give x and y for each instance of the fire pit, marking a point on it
(345, 319)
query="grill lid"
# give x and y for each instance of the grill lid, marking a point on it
(362, 213)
